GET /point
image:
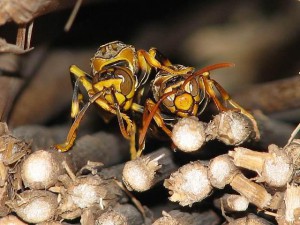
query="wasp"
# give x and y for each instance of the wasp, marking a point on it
(119, 73)
(185, 94)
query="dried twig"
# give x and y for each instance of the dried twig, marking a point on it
(272, 97)
(24, 11)
(73, 15)
(11, 48)
(176, 217)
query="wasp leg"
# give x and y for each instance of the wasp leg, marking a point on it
(77, 98)
(129, 132)
(72, 132)
(76, 75)
(148, 60)
(150, 107)
(160, 57)
(209, 84)
(158, 118)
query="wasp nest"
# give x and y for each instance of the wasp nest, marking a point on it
(230, 127)
(232, 203)
(41, 169)
(189, 184)
(35, 206)
(111, 217)
(274, 167)
(188, 134)
(140, 174)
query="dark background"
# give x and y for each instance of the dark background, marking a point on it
(260, 37)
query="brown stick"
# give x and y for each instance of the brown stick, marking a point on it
(188, 218)
(272, 97)
(9, 85)
(24, 11)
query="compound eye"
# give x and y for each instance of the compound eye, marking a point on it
(127, 82)
(169, 101)
(193, 86)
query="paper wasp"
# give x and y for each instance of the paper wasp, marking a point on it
(119, 73)
(185, 94)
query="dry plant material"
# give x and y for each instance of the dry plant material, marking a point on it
(251, 219)
(111, 217)
(188, 134)
(132, 214)
(90, 191)
(11, 220)
(230, 127)
(4, 210)
(52, 223)
(87, 217)
(12, 153)
(177, 217)
(9, 90)
(35, 206)
(292, 149)
(255, 193)
(189, 184)
(167, 165)
(166, 219)
(41, 169)
(274, 167)
(289, 213)
(140, 174)
(10, 85)
(272, 97)
(24, 11)
(222, 171)
(277, 200)
(23, 39)
(232, 203)
(11, 48)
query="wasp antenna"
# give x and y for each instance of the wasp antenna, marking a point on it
(150, 116)
(212, 67)
(207, 69)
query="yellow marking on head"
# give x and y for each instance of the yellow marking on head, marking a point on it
(115, 83)
(184, 101)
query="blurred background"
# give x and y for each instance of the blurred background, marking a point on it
(260, 37)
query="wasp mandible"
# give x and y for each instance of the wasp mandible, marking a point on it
(119, 73)
(185, 94)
